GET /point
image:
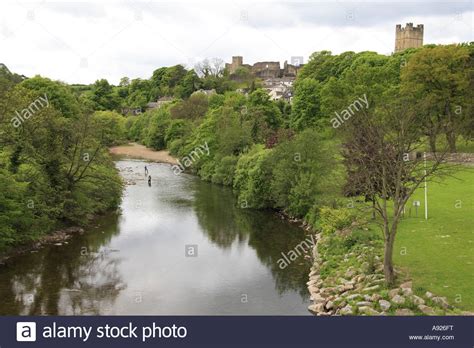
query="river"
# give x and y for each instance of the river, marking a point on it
(178, 247)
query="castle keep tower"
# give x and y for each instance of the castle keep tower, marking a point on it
(408, 37)
(237, 61)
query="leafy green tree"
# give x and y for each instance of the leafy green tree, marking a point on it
(156, 133)
(103, 95)
(193, 108)
(139, 93)
(59, 94)
(113, 126)
(15, 215)
(304, 172)
(233, 134)
(263, 115)
(252, 178)
(438, 80)
(8, 79)
(187, 85)
(57, 168)
(306, 104)
(177, 129)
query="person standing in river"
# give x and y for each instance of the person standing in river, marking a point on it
(149, 180)
(146, 171)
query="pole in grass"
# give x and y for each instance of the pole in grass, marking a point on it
(426, 189)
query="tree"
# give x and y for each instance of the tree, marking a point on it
(57, 165)
(8, 79)
(188, 85)
(438, 79)
(59, 94)
(103, 95)
(192, 108)
(379, 156)
(168, 81)
(306, 104)
(380, 141)
(213, 67)
(139, 93)
(263, 114)
(113, 126)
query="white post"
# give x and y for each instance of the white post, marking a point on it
(426, 190)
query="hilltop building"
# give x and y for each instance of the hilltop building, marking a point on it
(408, 37)
(279, 88)
(277, 81)
(264, 70)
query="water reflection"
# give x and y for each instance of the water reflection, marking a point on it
(134, 262)
(81, 277)
(225, 223)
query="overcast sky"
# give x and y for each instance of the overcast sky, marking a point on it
(80, 42)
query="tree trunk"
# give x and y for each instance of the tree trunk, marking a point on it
(388, 258)
(432, 139)
(449, 130)
(451, 139)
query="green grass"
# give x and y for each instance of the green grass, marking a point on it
(462, 145)
(438, 254)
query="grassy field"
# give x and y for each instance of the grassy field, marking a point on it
(462, 145)
(438, 254)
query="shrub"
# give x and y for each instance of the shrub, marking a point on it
(159, 122)
(176, 130)
(225, 169)
(331, 220)
(252, 177)
(175, 146)
(113, 127)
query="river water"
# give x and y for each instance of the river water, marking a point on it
(181, 247)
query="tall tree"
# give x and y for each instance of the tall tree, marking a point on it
(379, 154)
(103, 95)
(438, 78)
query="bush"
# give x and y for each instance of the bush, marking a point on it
(14, 213)
(252, 177)
(176, 130)
(358, 236)
(207, 169)
(112, 125)
(332, 220)
(159, 122)
(225, 170)
(302, 169)
(175, 146)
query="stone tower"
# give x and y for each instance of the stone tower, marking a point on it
(237, 61)
(408, 37)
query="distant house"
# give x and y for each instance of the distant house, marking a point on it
(243, 91)
(207, 92)
(279, 88)
(159, 103)
(151, 105)
(130, 111)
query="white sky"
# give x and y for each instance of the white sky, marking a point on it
(80, 42)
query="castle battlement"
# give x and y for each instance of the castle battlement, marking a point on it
(408, 36)
(409, 27)
(264, 70)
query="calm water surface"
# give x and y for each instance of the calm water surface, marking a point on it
(134, 262)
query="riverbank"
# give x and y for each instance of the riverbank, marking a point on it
(58, 237)
(134, 150)
(347, 278)
(139, 253)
